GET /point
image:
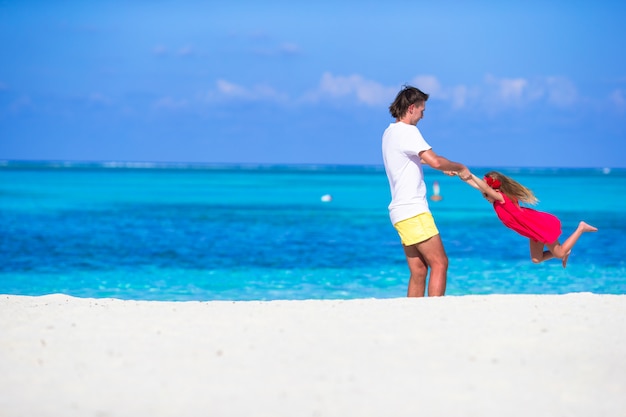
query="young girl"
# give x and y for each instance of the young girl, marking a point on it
(541, 228)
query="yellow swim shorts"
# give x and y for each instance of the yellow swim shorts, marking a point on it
(416, 229)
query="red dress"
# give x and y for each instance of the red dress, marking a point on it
(537, 225)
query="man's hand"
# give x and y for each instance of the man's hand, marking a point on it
(465, 174)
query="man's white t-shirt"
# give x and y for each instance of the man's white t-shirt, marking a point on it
(402, 144)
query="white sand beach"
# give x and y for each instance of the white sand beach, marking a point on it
(496, 355)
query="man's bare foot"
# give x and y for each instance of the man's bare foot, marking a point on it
(564, 259)
(584, 227)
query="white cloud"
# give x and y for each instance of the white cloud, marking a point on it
(186, 51)
(459, 96)
(618, 99)
(492, 94)
(169, 103)
(561, 91)
(352, 88)
(289, 48)
(355, 87)
(159, 50)
(21, 104)
(284, 49)
(512, 90)
(97, 99)
(456, 95)
(520, 92)
(183, 51)
(259, 92)
(229, 89)
(507, 91)
(430, 85)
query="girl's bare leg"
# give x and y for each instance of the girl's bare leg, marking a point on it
(537, 254)
(563, 251)
(565, 258)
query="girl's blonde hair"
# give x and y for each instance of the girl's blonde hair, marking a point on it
(513, 189)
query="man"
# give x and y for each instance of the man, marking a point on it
(404, 152)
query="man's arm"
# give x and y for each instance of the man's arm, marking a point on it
(443, 164)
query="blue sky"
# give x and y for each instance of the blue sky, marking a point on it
(533, 83)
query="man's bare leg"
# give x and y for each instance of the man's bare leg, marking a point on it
(435, 257)
(418, 270)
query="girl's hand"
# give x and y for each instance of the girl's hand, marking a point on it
(450, 173)
(465, 174)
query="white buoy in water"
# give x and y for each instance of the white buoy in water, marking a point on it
(327, 198)
(436, 190)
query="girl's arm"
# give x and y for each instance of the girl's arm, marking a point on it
(482, 186)
(472, 182)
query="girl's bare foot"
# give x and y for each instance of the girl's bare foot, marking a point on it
(584, 227)
(564, 259)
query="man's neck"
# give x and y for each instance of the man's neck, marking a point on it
(406, 121)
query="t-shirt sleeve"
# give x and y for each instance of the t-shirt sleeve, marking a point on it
(416, 144)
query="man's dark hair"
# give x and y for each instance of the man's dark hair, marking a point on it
(407, 96)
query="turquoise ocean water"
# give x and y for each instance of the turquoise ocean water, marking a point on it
(201, 232)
